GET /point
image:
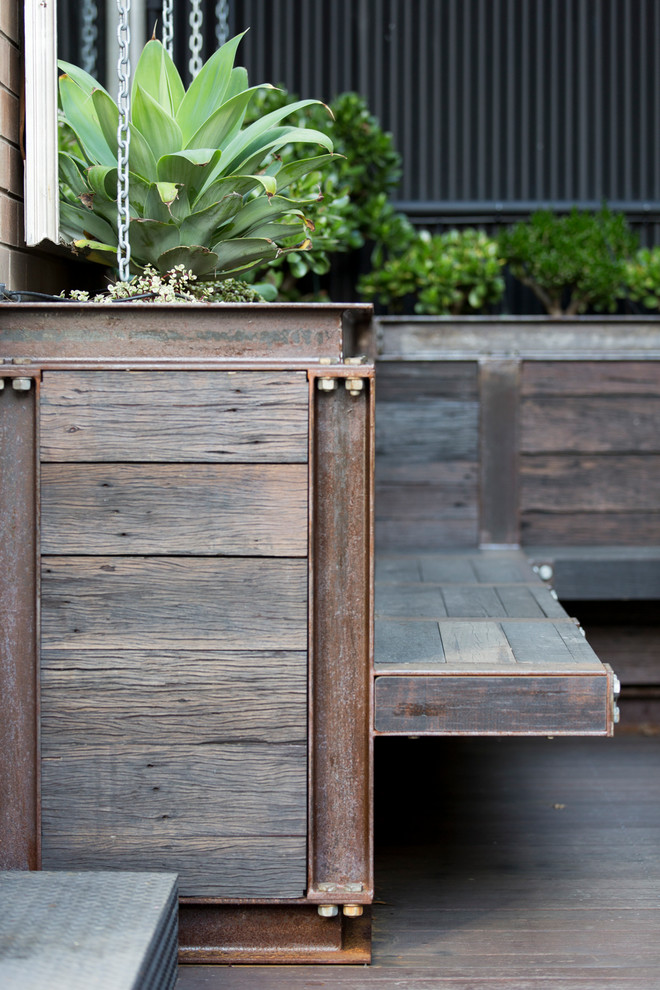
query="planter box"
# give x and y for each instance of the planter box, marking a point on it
(530, 431)
(185, 513)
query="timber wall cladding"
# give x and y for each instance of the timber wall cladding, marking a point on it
(174, 626)
(590, 452)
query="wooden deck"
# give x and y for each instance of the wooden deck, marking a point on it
(504, 864)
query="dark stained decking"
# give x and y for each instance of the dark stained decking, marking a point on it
(504, 864)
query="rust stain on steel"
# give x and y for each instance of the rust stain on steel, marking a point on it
(18, 632)
(185, 330)
(341, 654)
(233, 934)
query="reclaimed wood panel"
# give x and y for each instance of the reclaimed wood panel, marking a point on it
(590, 483)
(240, 509)
(580, 378)
(110, 697)
(492, 705)
(467, 644)
(402, 380)
(402, 641)
(432, 430)
(208, 865)
(181, 789)
(587, 424)
(244, 416)
(409, 600)
(589, 529)
(169, 602)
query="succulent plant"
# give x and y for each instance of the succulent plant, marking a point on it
(205, 191)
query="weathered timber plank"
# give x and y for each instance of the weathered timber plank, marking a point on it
(499, 412)
(432, 430)
(609, 424)
(492, 705)
(581, 378)
(589, 528)
(437, 534)
(208, 865)
(399, 567)
(423, 380)
(175, 790)
(174, 416)
(472, 601)
(548, 642)
(182, 696)
(473, 643)
(406, 642)
(596, 483)
(161, 603)
(242, 509)
(409, 600)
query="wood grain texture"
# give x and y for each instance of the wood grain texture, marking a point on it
(609, 424)
(590, 483)
(116, 697)
(468, 644)
(593, 529)
(167, 602)
(199, 509)
(174, 416)
(179, 790)
(207, 865)
(483, 705)
(581, 378)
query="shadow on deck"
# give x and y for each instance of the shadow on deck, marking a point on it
(504, 863)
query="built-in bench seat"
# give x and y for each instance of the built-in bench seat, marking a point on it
(474, 643)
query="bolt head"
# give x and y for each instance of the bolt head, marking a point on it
(328, 910)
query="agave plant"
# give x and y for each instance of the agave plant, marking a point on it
(204, 191)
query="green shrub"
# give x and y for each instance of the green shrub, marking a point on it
(642, 277)
(457, 272)
(573, 262)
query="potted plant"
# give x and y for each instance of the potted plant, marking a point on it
(192, 481)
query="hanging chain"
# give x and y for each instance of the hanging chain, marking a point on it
(89, 35)
(168, 28)
(222, 22)
(196, 40)
(123, 140)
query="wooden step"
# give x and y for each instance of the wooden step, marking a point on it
(474, 643)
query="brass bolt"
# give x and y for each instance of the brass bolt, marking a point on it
(353, 910)
(354, 385)
(328, 910)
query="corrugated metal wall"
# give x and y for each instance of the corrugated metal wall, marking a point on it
(497, 106)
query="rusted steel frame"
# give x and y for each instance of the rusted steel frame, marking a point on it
(183, 331)
(340, 853)
(499, 406)
(232, 935)
(19, 630)
(34, 367)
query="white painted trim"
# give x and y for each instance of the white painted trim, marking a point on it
(42, 215)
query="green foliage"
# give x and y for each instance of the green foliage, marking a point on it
(349, 202)
(571, 262)
(457, 272)
(205, 190)
(642, 277)
(177, 285)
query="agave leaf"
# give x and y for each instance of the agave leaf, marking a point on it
(157, 75)
(188, 168)
(71, 175)
(82, 222)
(199, 227)
(242, 184)
(102, 254)
(140, 158)
(199, 260)
(293, 171)
(159, 129)
(260, 210)
(207, 90)
(98, 176)
(238, 253)
(225, 123)
(149, 238)
(238, 81)
(154, 207)
(258, 135)
(278, 230)
(81, 116)
(83, 79)
(180, 207)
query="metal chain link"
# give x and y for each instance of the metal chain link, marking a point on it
(222, 22)
(123, 140)
(168, 27)
(89, 36)
(196, 39)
